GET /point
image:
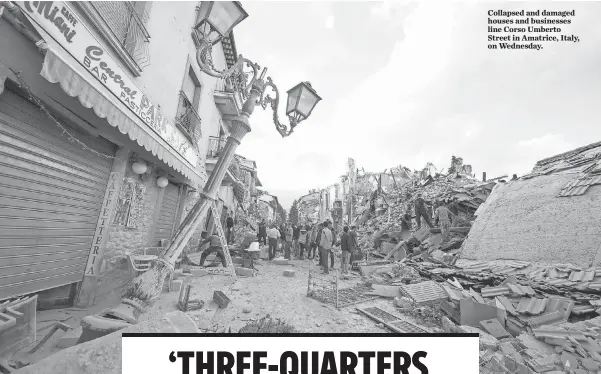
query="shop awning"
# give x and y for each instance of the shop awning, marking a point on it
(57, 69)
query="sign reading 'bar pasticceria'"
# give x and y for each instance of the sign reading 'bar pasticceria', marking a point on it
(64, 26)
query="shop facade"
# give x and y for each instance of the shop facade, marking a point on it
(102, 136)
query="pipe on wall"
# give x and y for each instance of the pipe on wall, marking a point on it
(14, 16)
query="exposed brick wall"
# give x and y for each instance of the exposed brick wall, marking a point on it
(526, 221)
(123, 240)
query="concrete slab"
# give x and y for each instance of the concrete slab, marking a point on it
(69, 339)
(472, 313)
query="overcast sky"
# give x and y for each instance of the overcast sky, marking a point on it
(407, 83)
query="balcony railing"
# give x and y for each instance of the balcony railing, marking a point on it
(188, 119)
(216, 145)
(127, 26)
(234, 169)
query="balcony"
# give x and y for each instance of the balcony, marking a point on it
(216, 145)
(122, 25)
(188, 119)
(228, 95)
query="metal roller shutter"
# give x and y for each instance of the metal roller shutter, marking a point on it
(51, 192)
(166, 221)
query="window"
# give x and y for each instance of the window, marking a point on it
(187, 117)
(122, 23)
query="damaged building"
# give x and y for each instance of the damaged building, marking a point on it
(549, 215)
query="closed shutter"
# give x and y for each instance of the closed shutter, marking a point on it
(166, 222)
(51, 192)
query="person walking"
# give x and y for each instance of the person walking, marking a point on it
(229, 222)
(421, 211)
(302, 240)
(313, 243)
(346, 248)
(282, 241)
(329, 226)
(318, 241)
(289, 235)
(442, 215)
(295, 241)
(214, 246)
(273, 235)
(325, 245)
(262, 233)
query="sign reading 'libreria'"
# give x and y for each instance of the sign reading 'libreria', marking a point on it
(63, 25)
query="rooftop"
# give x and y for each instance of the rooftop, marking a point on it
(568, 154)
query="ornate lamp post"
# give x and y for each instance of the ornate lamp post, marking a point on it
(215, 20)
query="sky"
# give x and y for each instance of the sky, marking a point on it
(406, 83)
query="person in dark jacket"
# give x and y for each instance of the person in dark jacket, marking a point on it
(215, 246)
(229, 222)
(329, 226)
(262, 233)
(295, 236)
(346, 247)
(318, 242)
(421, 211)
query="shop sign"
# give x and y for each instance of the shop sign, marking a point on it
(65, 27)
(111, 195)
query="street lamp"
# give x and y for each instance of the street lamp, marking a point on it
(215, 21)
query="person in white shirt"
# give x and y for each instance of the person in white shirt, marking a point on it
(273, 235)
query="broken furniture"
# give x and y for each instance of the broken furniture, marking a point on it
(140, 263)
(20, 334)
(184, 303)
(57, 326)
(325, 288)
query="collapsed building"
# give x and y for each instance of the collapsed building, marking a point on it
(549, 215)
(520, 268)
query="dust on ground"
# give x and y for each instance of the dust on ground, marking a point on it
(269, 292)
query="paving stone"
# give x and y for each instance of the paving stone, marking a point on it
(289, 273)
(244, 272)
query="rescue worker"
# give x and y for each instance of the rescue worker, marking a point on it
(421, 211)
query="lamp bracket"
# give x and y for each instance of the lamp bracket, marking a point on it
(236, 74)
(274, 102)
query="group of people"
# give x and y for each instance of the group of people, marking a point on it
(443, 215)
(318, 241)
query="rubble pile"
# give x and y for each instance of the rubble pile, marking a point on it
(531, 318)
(245, 228)
(463, 193)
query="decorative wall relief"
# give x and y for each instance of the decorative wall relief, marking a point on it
(129, 205)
